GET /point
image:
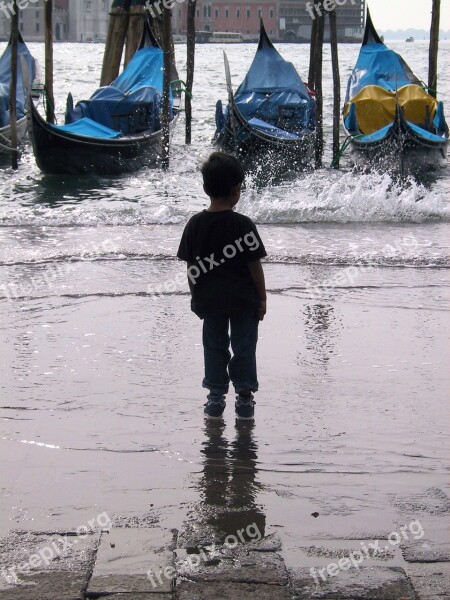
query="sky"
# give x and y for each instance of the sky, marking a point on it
(406, 14)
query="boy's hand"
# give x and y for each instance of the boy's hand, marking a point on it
(262, 309)
(257, 275)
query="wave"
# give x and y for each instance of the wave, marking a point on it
(361, 260)
(324, 196)
(347, 197)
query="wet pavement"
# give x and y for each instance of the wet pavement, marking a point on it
(135, 558)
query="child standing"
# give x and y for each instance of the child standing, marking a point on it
(223, 252)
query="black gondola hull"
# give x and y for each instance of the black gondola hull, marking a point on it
(261, 152)
(402, 151)
(61, 153)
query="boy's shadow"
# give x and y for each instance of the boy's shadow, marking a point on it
(229, 485)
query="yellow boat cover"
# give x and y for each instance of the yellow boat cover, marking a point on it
(375, 107)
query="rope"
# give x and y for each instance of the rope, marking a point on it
(348, 140)
(7, 148)
(182, 89)
(48, 102)
(427, 88)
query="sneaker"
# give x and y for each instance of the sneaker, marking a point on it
(214, 407)
(245, 408)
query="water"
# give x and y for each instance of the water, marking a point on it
(100, 397)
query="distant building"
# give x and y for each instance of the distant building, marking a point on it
(73, 20)
(31, 21)
(230, 16)
(296, 19)
(88, 20)
(284, 20)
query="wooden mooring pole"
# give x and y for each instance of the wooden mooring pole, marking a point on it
(434, 48)
(136, 19)
(13, 84)
(117, 32)
(315, 81)
(312, 45)
(166, 39)
(336, 87)
(49, 61)
(190, 64)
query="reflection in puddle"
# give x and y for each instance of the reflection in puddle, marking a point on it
(228, 486)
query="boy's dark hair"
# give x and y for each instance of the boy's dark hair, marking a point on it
(221, 173)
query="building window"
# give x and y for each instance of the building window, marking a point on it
(271, 13)
(209, 11)
(216, 13)
(197, 13)
(238, 13)
(37, 27)
(205, 11)
(88, 5)
(227, 13)
(260, 13)
(248, 13)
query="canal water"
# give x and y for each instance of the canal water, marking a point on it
(101, 361)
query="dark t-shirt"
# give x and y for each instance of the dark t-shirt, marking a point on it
(220, 245)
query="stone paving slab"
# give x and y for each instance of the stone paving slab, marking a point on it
(368, 550)
(63, 585)
(432, 501)
(133, 561)
(46, 566)
(433, 546)
(221, 590)
(269, 543)
(431, 581)
(135, 596)
(237, 565)
(366, 583)
(426, 551)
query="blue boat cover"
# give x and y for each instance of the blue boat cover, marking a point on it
(274, 92)
(5, 79)
(376, 136)
(427, 135)
(350, 121)
(382, 133)
(439, 122)
(272, 130)
(144, 69)
(132, 112)
(378, 65)
(88, 128)
(132, 103)
(269, 72)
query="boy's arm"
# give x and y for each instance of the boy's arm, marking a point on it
(257, 275)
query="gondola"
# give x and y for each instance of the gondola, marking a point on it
(393, 123)
(27, 67)
(118, 130)
(269, 122)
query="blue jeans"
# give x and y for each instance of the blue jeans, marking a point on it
(220, 366)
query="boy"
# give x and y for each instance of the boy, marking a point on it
(223, 249)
